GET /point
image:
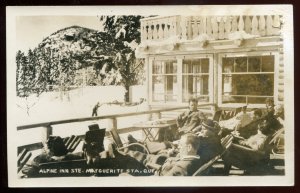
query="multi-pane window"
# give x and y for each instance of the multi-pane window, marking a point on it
(195, 79)
(164, 80)
(248, 79)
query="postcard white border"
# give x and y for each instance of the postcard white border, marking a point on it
(285, 10)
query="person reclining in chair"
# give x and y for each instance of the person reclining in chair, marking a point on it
(257, 142)
(190, 119)
(240, 120)
(54, 151)
(210, 142)
(187, 160)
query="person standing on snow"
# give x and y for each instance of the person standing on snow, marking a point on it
(95, 109)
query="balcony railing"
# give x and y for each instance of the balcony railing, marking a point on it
(215, 27)
(47, 127)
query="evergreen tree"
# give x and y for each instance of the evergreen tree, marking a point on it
(119, 44)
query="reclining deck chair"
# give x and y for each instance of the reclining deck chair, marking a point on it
(23, 158)
(278, 142)
(226, 142)
(71, 143)
(247, 159)
(121, 146)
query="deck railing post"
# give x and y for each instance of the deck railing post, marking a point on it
(157, 115)
(112, 124)
(48, 130)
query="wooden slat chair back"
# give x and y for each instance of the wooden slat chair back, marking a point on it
(23, 158)
(277, 142)
(72, 142)
(217, 115)
(116, 137)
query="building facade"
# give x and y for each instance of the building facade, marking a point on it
(228, 61)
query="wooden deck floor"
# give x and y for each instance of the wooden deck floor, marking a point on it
(276, 168)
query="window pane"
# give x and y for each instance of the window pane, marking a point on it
(187, 66)
(233, 99)
(158, 88)
(195, 86)
(158, 84)
(187, 86)
(171, 88)
(246, 86)
(228, 65)
(202, 86)
(268, 63)
(227, 84)
(196, 66)
(171, 67)
(205, 65)
(253, 84)
(164, 85)
(257, 100)
(157, 67)
(240, 64)
(254, 64)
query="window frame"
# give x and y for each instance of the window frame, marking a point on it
(247, 54)
(179, 59)
(210, 75)
(164, 75)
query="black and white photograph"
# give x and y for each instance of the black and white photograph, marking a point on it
(141, 96)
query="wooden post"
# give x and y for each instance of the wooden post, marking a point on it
(112, 124)
(48, 130)
(157, 115)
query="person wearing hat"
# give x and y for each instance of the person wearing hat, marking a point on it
(191, 118)
(210, 143)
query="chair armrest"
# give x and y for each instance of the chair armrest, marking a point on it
(132, 144)
(155, 166)
(244, 148)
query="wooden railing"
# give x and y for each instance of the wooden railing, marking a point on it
(216, 27)
(112, 124)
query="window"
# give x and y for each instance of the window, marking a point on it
(195, 79)
(248, 79)
(164, 80)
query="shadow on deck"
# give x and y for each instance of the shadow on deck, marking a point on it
(276, 167)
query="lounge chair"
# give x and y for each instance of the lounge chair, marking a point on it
(23, 158)
(226, 142)
(122, 146)
(252, 161)
(71, 143)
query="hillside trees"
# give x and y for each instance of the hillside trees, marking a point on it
(28, 78)
(77, 56)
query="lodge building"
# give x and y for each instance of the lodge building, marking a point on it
(228, 61)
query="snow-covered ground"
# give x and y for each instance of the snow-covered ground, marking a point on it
(77, 103)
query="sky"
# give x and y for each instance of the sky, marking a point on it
(31, 30)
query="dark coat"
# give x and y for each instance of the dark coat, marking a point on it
(188, 120)
(180, 167)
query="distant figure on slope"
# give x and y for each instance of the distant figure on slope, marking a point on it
(95, 109)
